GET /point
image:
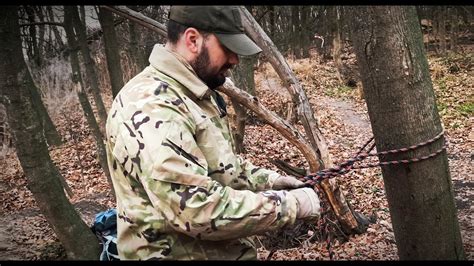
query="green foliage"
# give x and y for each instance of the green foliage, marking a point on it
(466, 109)
(340, 91)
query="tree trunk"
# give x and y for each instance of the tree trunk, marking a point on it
(39, 13)
(83, 100)
(112, 51)
(136, 53)
(442, 30)
(80, 29)
(42, 175)
(402, 110)
(244, 78)
(305, 33)
(337, 45)
(295, 32)
(52, 136)
(454, 22)
(328, 32)
(272, 21)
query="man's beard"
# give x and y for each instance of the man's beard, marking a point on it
(211, 76)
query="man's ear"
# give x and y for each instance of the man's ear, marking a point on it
(193, 40)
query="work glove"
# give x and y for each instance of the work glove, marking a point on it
(308, 203)
(287, 182)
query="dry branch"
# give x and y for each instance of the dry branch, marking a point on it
(350, 222)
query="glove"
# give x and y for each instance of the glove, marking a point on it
(307, 202)
(287, 182)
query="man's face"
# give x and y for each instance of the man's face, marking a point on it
(213, 61)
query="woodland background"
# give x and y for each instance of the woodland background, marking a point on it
(316, 43)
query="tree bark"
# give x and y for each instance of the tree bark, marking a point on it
(39, 13)
(42, 175)
(402, 110)
(80, 29)
(52, 136)
(442, 29)
(454, 22)
(337, 45)
(83, 100)
(112, 51)
(243, 75)
(136, 53)
(305, 33)
(295, 32)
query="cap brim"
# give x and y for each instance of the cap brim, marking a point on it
(238, 43)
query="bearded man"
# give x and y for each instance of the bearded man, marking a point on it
(182, 192)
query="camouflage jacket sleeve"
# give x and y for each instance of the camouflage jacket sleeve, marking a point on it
(260, 178)
(165, 158)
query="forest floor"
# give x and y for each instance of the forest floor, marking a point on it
(343, 120)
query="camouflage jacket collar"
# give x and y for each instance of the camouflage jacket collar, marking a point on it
(176, 67)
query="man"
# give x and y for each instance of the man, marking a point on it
(182, 192)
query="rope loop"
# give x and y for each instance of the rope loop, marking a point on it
(362, 153)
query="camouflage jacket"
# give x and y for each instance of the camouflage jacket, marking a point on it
(182, 192)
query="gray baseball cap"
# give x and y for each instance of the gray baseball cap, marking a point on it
(224, 21)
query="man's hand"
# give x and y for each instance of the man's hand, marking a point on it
(287, 182)
(308, 203)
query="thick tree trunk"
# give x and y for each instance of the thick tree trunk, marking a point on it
(80, 28)
(39, 13)
(403, 112)
(305, 34)
(83, 100)
(52, 136)
(42, 175)
(244, 78)
(329, 12)
(112, 52)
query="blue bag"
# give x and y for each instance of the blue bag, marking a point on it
(105, 228)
